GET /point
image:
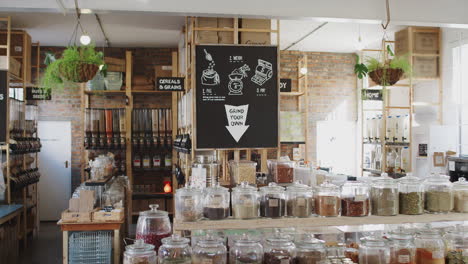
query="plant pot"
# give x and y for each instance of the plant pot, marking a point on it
(79, 72)
(386, 76)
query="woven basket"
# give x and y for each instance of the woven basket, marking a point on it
(386, 77)
(82, 72)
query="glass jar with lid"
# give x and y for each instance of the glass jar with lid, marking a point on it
(209, 249)
(216, 202)
(245, 201)
(411, 195)
(300, 200)
(272, 201)
(402, 247)
(430, 247)
(373, 250)
(456, 242)
(188, 201)
(246, 250)
(153, 225)
(175, 250)
(384, 196)
(327, 200)
(279, 249)
(205, 171)
(139, 252)
(355, 199)
(438, 194)
(310, 250)
(243, 170)
(460, 195)
(282, 170)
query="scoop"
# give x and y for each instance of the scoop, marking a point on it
(208, 56)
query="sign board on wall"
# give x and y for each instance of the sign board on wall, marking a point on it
(170, 84)
(372, 94)
(34, 93)
(236, 97)
(285, 85)
(3, 105)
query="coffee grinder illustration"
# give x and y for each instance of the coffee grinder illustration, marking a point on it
(235, 85)
(263, 72)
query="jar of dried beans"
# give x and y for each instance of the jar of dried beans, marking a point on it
(282, 170)
(327, 200)
(355, 199)
(456, 241)
(245, 201)
(384, 196)
(188, 201)
(402, 248)
(438, 194)
(411, 195)
(430, 247)
(310, 250)
(272, 201)
(460, 195)
(246, 250)
(279, 249)
(373, 250)
(152, 226)
(300, 200)
(209, 249)
(216, 202)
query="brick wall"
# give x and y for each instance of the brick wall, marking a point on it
(66, 105)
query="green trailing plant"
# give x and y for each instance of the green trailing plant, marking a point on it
(66, 70)
(360, 69)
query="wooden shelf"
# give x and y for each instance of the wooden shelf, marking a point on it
(104, 92)
(316, 221)
(149, 92)
(291, 93)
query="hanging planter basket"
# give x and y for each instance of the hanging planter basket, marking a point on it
(80, 73)
(386, 76)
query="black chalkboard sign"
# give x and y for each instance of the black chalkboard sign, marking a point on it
(170, 84)
(236, 97)
(285, 85)
(3, 105)
(34, 93)
(372, 94)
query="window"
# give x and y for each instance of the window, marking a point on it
(460, 95)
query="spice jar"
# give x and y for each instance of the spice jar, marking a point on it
(246, 251)
(310, 250)
(327, 200)
(139, 253)
(279, 249)
(430, 247)
(373, 250)
(438, 195)
(153, 225)
(460, 195)
(402, 248)
(273, 202)
(205, 171)
(282, 170)
(411, 195)
(456, 242)
(300, 200)
(384, 196)
(175, 250)
(243, 171)
(189, 205)
(216, 202)
(209, 250)
(245, 201)
(355, 200)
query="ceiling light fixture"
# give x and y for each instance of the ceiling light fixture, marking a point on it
(85, 39)
(86, 11)
(360, 44)
(303, 70)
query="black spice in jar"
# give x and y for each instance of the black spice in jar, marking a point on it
(215, 213)
(278, 257)
(272, 206)
(355, 206)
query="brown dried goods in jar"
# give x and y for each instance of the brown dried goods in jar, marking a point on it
(355, 206)
(327, 205)
(285, 173)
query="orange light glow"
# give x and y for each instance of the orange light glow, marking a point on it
(167, 187)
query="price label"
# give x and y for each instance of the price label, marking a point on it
(189, 202)
(360, 198)
(273, 202)
(403, 259)
(451, 165)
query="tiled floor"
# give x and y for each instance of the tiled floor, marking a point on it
(45, 247)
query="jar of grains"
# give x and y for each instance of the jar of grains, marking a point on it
(327, 200)
(456, 241)
(310, 250)
(300, 200)
(402, 247)
(216, 202)
(188, 201)
(411, 195)
(245, 201)
(243, 170)
(438, 194)
(272, 201)
(384, 196)
(430, 247)
(355, 199)
(373, 250)
(246, 250)
(279, 249)
(209, 249)
(460, 195)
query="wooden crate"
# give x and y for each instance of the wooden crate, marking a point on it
(426, 42)
(211, 22)
(224, 22)
(76, 217)
(255, 38)
(207, 37)
(402, 42)
(115, 64)
(13, 67)
(113, 216)
(426, 67)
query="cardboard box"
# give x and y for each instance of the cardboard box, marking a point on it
(74, 204)
(207, 37)
(112, 216)
(87, 199)
(426, 42)
(76, 217)
(225, 22)
(426, 67)
(225, 37)
(206, 22)
(401, 42)
(256, 23)
(255, 38)
(162, 71)
(13, 67)
(115, 64)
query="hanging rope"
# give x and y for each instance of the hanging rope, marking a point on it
(78, 24)
(388, 15)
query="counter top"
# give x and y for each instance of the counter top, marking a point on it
(7, 210)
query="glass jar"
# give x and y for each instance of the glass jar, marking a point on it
(282, 170)
(205, 171)
(402, 248)
(355, 199)
(245, 201)
(279, 249)
(139, 253)
(310, 250)
(272, 201)
(456, 242)
(209, 250)
(460, 195)
(175, 250)
(216, 202)
(300, 200)
(384, 196)
(243, 171)
(188, 202)
(153, 225)
(246, 250)
(438, 195)
(430, 247)
(327, 200)
(373, 250)
(411, 195)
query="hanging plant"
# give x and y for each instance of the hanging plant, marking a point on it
(77, 65)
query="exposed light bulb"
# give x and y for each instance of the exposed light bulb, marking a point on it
(85, 39)
(303, 70)
(86, 11)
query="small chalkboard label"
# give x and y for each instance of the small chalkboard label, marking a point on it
(372, 94)
(422, 150)
(170, 84)
(34, 93)
(285, 85)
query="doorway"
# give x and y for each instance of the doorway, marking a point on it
(55, 168)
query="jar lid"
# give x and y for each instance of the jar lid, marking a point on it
(245, 239)
(154, 212)
(310, 241)
(279, 238)
(188, 189)
(374, 240)
(217, 188)
(384, 180)
(438, 179)
(210, 240)
(400, 234)
(272, 187)
(298, 186)
(462, 183)
(175, 239)
(409, 179)
(244, 187)
(327, 185)
(139, 246)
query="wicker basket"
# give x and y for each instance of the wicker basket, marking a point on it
(82, 72)
(386, 76)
